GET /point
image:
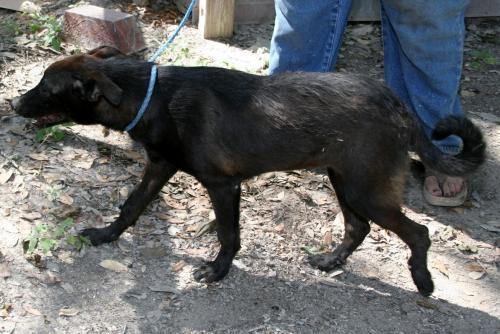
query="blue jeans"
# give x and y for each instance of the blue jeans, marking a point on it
(423, 50)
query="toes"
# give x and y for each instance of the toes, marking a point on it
(97, 236)
(210, 272)
(423, 281)
(432, 185)
(452, 186)
(325, 262)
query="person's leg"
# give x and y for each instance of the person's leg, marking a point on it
(423, 52)
(307, 34)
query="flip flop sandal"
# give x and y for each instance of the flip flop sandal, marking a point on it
(456, 200)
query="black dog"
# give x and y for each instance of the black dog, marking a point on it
(223, 126)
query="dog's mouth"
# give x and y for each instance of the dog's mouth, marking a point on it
(49, 120)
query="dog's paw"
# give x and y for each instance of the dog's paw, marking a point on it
(325, 262)
(210, 272)
(423, 281)
(98, 236)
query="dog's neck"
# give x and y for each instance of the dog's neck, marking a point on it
(118, 117)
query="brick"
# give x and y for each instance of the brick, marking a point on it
(92, 26)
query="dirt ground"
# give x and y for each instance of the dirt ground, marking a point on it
(146, 286)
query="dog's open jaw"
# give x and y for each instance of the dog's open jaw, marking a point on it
(49, 120)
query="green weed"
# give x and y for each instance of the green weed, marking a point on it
(53, 133)
(49, 27)
(48, 238)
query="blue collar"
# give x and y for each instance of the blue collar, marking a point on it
(147, 99)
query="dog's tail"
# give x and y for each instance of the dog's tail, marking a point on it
(469, 159)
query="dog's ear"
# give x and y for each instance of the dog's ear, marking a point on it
(105, 52)
(97, 85)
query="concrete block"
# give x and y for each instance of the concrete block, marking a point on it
(92, 26)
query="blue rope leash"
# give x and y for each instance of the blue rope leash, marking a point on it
(154, 69)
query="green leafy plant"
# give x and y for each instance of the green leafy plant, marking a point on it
(48, 238)
(12, 28)
(53, 133)
(482, 57)
(49, 27)
(53, 194)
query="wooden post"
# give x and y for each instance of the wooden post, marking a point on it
(216, 18)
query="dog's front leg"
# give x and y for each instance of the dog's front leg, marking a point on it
(226, 202)
(156, 174)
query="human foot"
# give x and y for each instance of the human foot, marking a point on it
(451, 191)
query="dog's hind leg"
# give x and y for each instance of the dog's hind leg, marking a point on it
(226, 202)
(156, 174)
(416, 236)
(356, 228)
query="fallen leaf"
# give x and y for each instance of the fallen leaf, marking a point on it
(4, 270)
(113, 265)
(178, 266)
(46, 278)
(477, 274)
(32, 310)
(460, 210)
(31, 215)
(278, 197)
(425, 302)
(205, 227)
(336, 273)
(441, 266)
(68, 312)
(196, 251)
(279, 227)
(474, 267)
(164, 288)
(65, 211)
(4, 312)
(65, 199)
(320, 198)
(5, 176)
(38, 156)
(328, 238)
(84, 164)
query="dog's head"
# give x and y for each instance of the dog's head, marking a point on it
(71, 89)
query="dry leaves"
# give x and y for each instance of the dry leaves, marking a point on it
(476, 271)
(178, 266)
(5, 176)
(7, 308)
(441, 266)
(114, 266)
(164, 288)
(45, 278)
(68, 312)
(65, 199)
(4, 270)
(327, 238)
(38, 156)
(31, 310)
